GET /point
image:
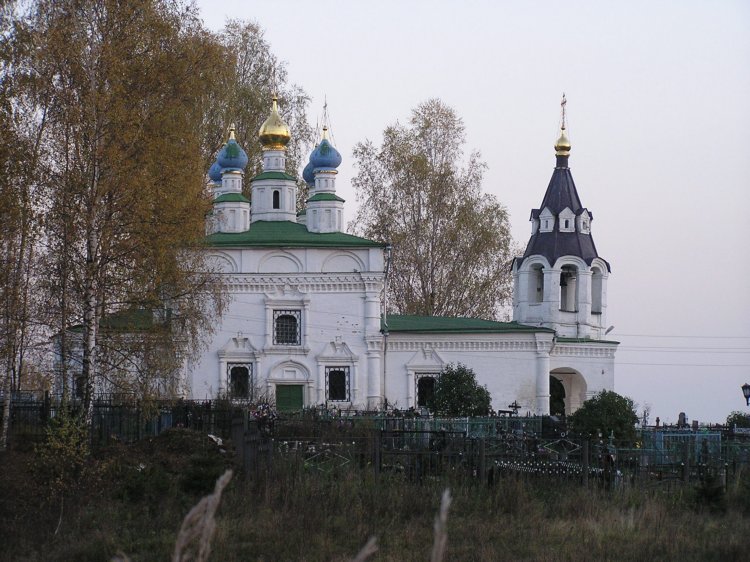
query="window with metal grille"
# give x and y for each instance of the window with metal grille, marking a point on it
(337, 384)
(425, 389)
(240, 377)
(286, 327)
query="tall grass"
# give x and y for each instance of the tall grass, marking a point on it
(137, 497)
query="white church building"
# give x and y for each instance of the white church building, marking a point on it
(305, 321)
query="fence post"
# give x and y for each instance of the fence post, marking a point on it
(237, 435)
(686, 462)
(482, 465)
(269, 460)
(139, 435)
(250, 450)
(46, 407)
(585, 462)
(378, 446)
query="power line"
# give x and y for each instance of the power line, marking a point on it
(682, 364)
(688, 336)
(717, 351)
(686, 348)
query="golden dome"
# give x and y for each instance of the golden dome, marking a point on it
(562, 146)
(274, 133)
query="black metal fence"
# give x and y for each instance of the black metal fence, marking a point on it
(484, 448)
(121, 419)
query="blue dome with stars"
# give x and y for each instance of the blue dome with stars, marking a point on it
(214, 172)
(325, 156)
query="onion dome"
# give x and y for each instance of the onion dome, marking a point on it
(308, 174)
(274, 133)
(231, 157)
(214, 172)
(562, 146)
(325, 156)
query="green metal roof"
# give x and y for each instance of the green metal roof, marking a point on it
(288, 234)
(273, 176)
(585, 340)
(325, 197)
(445, 324)
(130, 320)
(232, 198)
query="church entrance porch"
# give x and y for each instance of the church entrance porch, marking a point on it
(567, 389)
(556, 397)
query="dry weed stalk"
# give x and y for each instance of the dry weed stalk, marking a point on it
(441, 528)
(370, 548)
(199, 526)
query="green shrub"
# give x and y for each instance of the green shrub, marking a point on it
(138, 483)
(457, 393)
(710, 493)
(63, 454)
(607, 412)
(738, 419)
(201, 474)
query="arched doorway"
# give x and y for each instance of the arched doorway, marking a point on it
(573, 389)
(290, 384)
(556, 397)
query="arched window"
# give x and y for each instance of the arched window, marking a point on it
(536, 283)
(596, 290)
(276, 199)
(286, 327)
(569, 288)
(239, 380)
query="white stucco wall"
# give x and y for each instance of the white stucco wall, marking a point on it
(338, 294)
(514, 367)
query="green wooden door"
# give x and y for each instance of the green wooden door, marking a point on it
(289, 397)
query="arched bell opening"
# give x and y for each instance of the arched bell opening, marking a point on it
(536, 284)
(569, 288)
(596, 290)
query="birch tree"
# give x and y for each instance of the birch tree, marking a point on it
(19, 156)
(451, 243)
(127, 86)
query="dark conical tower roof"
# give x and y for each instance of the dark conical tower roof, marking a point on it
(561, 194)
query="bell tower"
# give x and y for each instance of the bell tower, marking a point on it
(560, 282)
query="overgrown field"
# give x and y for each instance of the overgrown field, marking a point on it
(132, 499)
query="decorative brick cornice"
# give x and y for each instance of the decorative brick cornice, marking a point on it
(306, 283)
(507, 346)
(581, 350)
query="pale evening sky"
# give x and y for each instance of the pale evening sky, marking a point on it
(659, 119)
